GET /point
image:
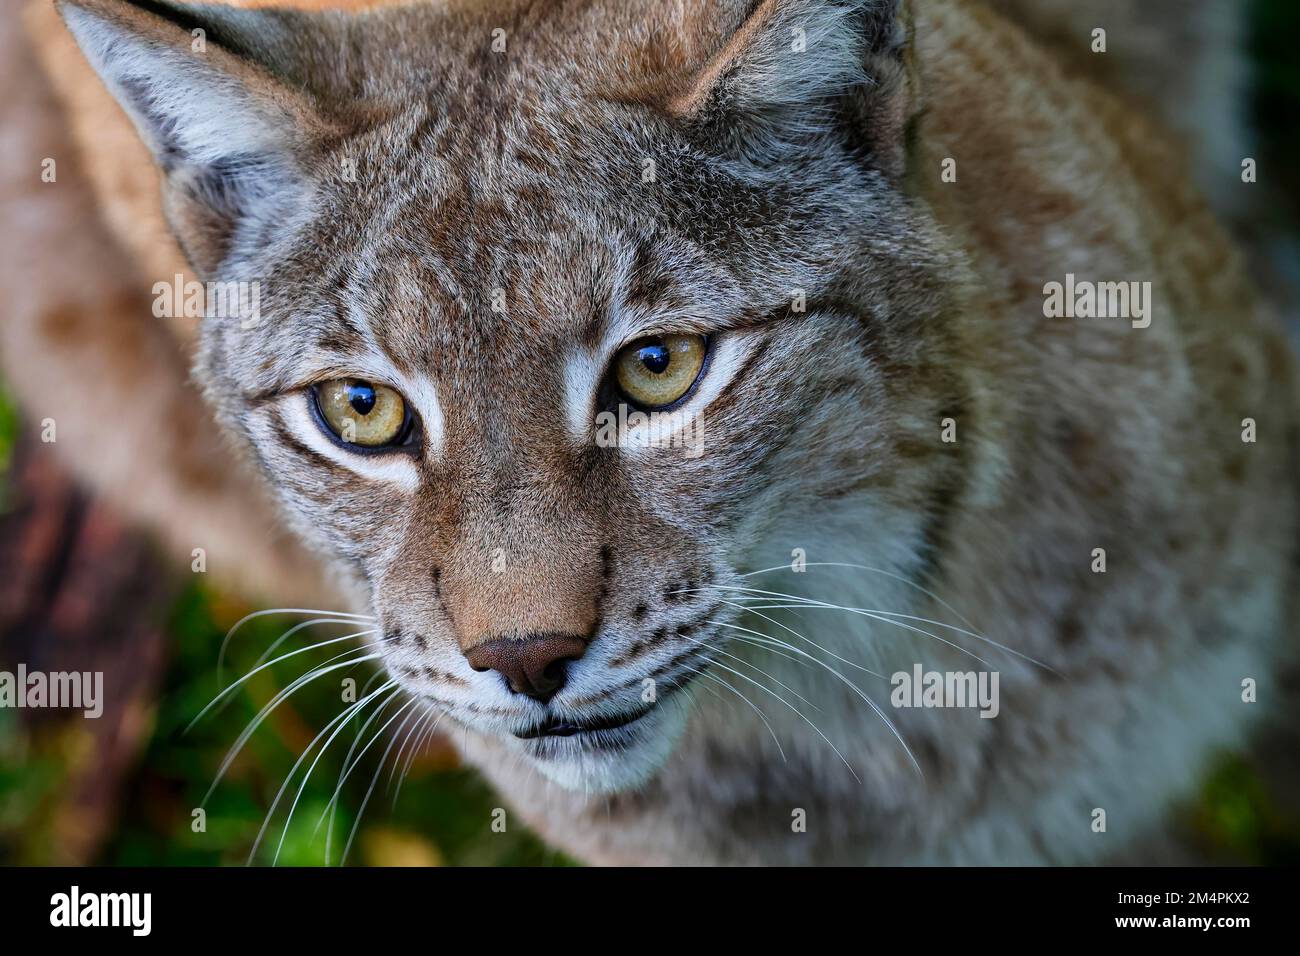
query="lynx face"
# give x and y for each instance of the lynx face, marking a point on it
(479, 270)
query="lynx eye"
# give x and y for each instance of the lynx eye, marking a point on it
(362, 413)
(659, 370)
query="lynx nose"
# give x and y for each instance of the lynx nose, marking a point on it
(535, 665)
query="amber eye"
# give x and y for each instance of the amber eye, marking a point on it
(361, 413)
(657, 371)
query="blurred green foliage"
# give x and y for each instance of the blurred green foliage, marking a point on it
(1237, 815)
(441, 814)
(8, 435)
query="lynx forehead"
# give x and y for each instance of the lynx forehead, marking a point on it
(479, 231)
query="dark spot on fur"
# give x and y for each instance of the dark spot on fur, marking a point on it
(913, 448)
(1071, 630)
(437, 596)
(1079, 445)
(942, 502)
(443, 677)
(636, 649)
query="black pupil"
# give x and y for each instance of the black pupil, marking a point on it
(361, 397)
(654, 357)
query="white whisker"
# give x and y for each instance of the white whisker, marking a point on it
(862, 694)
(333, 803)
(752, 706)
(750, 664)
(804, 602)
(869, 613)
(221, 653)
(421, 742)
(824, 650)
(275, 702)
(346, 768)
(285, 657)
(341, 720)
(802, 717)
(361, 812)
(889, 574)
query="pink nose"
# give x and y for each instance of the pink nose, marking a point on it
(535, 665)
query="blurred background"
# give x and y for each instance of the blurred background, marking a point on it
(80, 590)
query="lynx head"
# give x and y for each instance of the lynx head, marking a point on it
(566, 313)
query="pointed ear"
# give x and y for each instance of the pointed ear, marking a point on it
(208, 92)
(797, 70)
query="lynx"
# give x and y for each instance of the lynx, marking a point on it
(818, 233)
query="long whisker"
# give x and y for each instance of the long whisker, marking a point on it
(221, 653)
(752, 706)
(361, 812)
(889, 574)
(348, 764)
(801, 716)
(865, 612)
(284, 637)
(804, 602)
(420, 744)
(341, 720)
(754, 666)
(299, 627)
(843, 660)
(772, 645)
(334, 799)
(409, 735)
(285, 657)
(414, 735)
(862, 694)
(871, 612)
(275, 702)
(365, 688)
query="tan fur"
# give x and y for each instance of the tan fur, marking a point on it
(925, 303)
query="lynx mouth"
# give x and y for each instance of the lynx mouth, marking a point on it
(560, 727)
